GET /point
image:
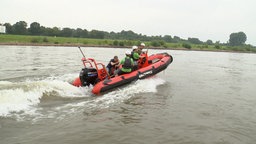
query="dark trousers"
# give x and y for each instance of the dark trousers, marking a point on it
(120, 72)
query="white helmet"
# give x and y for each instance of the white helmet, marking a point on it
(128, 52)
(142, 44)
(134, 47)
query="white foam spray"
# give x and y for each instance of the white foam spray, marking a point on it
(22, 98)
(116, 96)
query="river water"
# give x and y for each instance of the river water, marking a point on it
(201, 98)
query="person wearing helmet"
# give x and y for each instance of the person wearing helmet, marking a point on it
(135, 56)
(141, 47)
(127, 64)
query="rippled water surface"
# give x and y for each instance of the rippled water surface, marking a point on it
(202, 97)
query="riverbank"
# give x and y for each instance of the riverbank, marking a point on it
(102, 46)
(108, 43)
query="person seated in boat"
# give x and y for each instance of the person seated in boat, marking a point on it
(112, 65)
(127, 64)
(141, 47)
(135, 56)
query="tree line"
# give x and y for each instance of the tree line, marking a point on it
(21, 28)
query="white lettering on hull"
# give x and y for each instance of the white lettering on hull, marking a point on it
(145, 73)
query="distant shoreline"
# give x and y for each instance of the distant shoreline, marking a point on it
(107, 46)
(28, 40)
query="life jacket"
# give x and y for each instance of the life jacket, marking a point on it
(127, 63)
(133, 56)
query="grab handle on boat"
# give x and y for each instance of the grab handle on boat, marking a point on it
(106, 71)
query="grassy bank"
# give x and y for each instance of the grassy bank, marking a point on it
(65, 41)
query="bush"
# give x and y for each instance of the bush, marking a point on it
(56, 42)
(85, 42)
(121, 43)
(158, 43)
(45, 39)
(253, 50)
(248, 49)
(186, 45)
(35, 40)
(115, 43)
(138, 43)
(129, 43)
(105, 42)
(176, 46)
(162, 43)
(236, 48)
(155, 43)
(217, 46)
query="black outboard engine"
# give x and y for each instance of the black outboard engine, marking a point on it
(88, 76)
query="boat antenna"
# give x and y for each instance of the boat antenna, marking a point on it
(81, 52)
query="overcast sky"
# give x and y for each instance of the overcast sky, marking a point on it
(204, 19)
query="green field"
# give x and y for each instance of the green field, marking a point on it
(69, 41)
(22, 39)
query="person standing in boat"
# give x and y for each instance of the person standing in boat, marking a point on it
(141, 47)
(127, 64)
(112, 65)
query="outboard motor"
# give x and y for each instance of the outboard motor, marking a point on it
(88, 76)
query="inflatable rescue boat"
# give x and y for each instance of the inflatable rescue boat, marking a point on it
(96, 74)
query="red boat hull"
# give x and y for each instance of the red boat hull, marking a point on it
(156, 63)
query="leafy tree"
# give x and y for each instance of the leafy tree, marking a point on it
(167, 38)
(194, 41)
(66, 32)
(158, 38)
(84, 34)
(35, 28)
(209, 42)
(55, 31)
(46, 31)
(127, 38)
(176, 39)
(77, 33)
(237, 39)
(9, 28)
(20, 28)
(217, 42)
(130, 35)
(97, 34)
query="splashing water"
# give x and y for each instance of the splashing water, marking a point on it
(114, 97)
(17, 97)
(23, 98)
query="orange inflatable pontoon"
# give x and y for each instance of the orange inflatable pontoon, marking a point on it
(95, 73)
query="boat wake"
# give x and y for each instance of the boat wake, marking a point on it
(54, 97)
